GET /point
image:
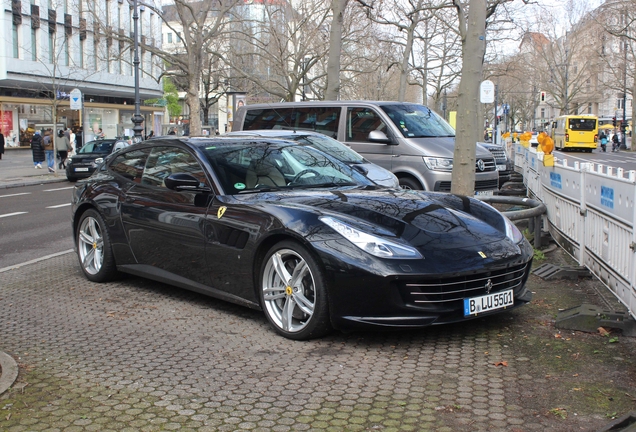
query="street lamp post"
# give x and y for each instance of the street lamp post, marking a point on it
(137, 118)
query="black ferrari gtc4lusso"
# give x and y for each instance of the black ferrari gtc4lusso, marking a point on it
(287, 229)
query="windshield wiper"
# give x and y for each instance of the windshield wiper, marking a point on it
(260, 189)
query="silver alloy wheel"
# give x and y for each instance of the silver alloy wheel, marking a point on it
(288, 290)
(90, 244)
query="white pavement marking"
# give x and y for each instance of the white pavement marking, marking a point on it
(60, 205)
(13, 267)
(12, 214)
(64, 188)
(23, 193)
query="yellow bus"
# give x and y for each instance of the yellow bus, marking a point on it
(575, 132)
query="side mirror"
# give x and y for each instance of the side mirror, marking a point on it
(184, 182)
(379, 137)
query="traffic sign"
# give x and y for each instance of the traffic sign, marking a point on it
(76, 99)
(487, 92)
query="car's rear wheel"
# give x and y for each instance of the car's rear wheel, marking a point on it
(293, 292)
(409, 184)
(94, 249)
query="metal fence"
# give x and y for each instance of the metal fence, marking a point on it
(590, 213)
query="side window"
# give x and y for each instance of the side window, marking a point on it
(319, 119)
(361, 121)
(130, 164)
(164, 161)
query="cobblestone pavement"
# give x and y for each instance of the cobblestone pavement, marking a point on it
(136, 355)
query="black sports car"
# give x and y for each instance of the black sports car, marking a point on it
(82, 164)
(290, 230)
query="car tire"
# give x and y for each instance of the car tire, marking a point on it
(71, 179)
(94, 248)
(295, 305)
(410, 184)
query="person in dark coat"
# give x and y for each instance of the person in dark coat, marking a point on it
(37, 149)
(1, 145)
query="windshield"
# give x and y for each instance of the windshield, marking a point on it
(418, 121)
(582, 124)
(330, 146)
(99, 146)
(252, 166)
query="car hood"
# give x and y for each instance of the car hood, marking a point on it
(443, 147)
(87, 157)
(380, 175)
(423, 219)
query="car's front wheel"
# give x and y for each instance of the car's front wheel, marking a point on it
(409, 183)
(94, 249)
(293, 292)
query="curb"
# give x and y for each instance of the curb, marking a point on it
(9, 372)
(32, 183)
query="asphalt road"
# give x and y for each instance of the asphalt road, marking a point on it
(621, 159)
(35, 221)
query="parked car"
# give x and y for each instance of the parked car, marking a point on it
(290, 230)
(85, 161)
(505, 166)
(534, 142)
(408, 139)
(332, 147)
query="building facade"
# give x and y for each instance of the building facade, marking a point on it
(51, 47)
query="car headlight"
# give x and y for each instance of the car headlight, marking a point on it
(376, 246)
(512, 232)
(438, 164)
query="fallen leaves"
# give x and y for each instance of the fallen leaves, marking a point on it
(603, 332)
(502, 363)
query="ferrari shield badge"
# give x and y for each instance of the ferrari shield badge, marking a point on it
(221, 212)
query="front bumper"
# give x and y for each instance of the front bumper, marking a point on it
(418, 293)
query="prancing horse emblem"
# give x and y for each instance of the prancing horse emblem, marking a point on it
(221, 211)
(488, 286)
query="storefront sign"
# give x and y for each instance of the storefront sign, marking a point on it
(6, 122)
(76, 99)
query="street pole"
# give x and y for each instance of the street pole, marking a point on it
(566, 81)
(137, 119)
(496, 123)
(624, 122)
(444, 105)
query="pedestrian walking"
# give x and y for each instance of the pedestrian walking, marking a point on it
(49, 149)
(603, 139)
(71, 138)
(615, 143)
(37, 150)
(79, 138)
(63, 147)
(1, 145)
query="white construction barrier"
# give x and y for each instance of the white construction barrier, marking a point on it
(591, 214)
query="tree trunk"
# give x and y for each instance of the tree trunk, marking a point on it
(335, 47)
(472, 30)
(407, 54)
(192, 99)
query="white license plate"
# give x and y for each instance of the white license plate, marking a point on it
(501, 167)
(81, 169)
(487, 303)
(486, 193)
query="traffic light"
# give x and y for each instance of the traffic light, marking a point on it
(542, 97)
(614, 121)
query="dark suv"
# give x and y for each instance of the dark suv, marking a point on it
(84, 163)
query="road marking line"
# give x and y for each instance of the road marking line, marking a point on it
(12, 214)
(64, 188)
(23, 193)
(13, 267)
(60, 205)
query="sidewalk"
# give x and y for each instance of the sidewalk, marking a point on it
(16, 169)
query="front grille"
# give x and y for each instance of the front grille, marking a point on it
(443, 291)
(480, 185)
(486, 184)
(499, 154)
(489, 164)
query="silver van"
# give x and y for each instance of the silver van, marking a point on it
(407, 139)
